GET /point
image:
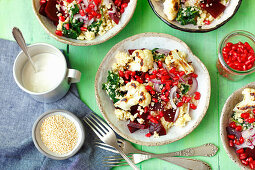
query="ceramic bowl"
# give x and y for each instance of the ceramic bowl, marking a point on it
(40, 145)
(150, 41)
(232, 8)
(50, 28)
(226, 113)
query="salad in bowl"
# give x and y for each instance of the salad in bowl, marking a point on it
(83, 19)
(151, 89)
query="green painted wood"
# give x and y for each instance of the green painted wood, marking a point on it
(87, 60)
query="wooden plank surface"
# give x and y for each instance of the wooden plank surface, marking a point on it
(87, 59)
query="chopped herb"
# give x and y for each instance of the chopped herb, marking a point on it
(95, 26)
(185, 88)
(74, 31)
(113, 83)
(157, 56)
(187, 16)
(74, 11)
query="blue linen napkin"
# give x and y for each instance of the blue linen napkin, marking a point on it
(18, 111)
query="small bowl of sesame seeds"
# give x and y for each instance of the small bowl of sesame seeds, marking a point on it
(58, 134)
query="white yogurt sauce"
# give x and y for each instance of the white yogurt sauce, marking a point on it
(50, 70)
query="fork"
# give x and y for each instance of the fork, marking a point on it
(137, 158)
(107, 135)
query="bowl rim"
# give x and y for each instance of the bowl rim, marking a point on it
(223, 129)
(73, 152)
(194, 30)
(82, 43)
(137, 36)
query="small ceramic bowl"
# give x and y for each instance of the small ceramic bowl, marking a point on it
(232, 8)
(37, 137)
(151, 41)
(226, 113)
(50, 28)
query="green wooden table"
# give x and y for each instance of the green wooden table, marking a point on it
(87, 59)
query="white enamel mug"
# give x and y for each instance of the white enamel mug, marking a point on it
(61, 88)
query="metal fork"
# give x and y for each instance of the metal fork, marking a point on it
(137, 158)
(107, 135)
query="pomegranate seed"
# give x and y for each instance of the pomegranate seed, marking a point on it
(59, 33)
(152, 92)
(238, 128)
(69, 1)
(148, 88)
(231, 136)
(251, 120)
(90, 16)
(241, 140)
(175, 83)
(83, 29)
(42, 2)
(82, 12)
(192, 106)
(177, 95)
(188, 99)
(153, 120)
(240, 151)
(149, 117)
(67, 26)
(61, 18)
(242, 156)
(146, 109)
(79, 1)
(121, 73)
(194, 75)
(207, 22)
(88, 10)
(176, 78)
(139, 80)
(158, 117)
(163, 97)
(231, 143)
(184, 99)
(190, 81)
(172, 70)
(152, 76)
(124, 5)
(148, 135)
(92, 6)
(160, 64)
(249, 159)
(98, 16)
(93, 13)
(155, 100)
(251, 165)
(181, 73)
(245, 115)
(232, 125)
(179, 104)
(197, 96)
(236, 141)
(244, 162)
(161, 114)
(122, 10)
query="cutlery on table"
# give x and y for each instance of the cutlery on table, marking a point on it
(204, 150)
(107, 135)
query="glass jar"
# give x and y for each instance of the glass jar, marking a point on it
(234, 37)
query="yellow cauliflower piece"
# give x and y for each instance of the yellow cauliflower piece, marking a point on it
(143, 61)
(248, 101)
(123, 59)
(171, 8)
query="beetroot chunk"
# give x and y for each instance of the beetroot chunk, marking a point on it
(133, 126)
(42, 10)
(114, 17)
(215, 8)
(51, 10)
(157, 127)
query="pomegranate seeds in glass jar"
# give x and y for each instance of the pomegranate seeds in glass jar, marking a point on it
(236, 55)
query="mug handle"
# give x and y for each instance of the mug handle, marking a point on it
(73, 76)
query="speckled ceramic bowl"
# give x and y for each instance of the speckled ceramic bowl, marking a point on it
(37, 136)
(150, 41)
(226, 113)
(232, 8)
(50, 28)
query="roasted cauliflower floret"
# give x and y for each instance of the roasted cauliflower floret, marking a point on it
(143, 61)
(136, 94)
(248, 101)
(183, 117)
(122, 114)
(177, 59)
(122, 59)
(171, 8)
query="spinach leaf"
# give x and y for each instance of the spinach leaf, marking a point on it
(74, 31)
(185, 88)
(157, 56)
(187, 15)
(95, 26)
(113, 83)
